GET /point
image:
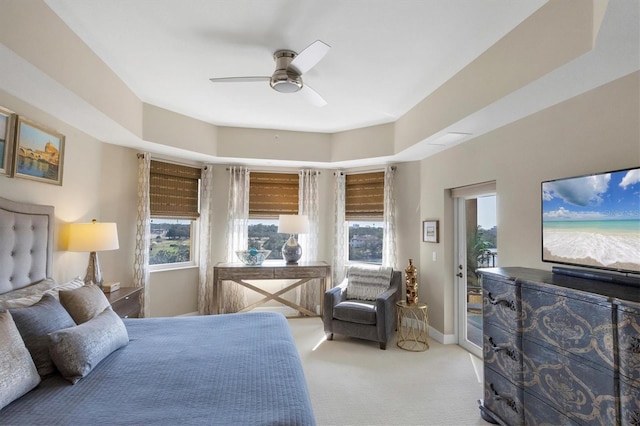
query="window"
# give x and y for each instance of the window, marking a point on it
(270, 195)
(174, 203)
(364, 209)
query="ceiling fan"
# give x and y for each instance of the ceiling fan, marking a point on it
(290, 66)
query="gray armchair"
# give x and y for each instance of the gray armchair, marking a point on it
(365, 319)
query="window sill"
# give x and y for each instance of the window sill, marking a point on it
(169, 267)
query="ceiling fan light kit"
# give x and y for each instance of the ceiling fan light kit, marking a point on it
(287, 78)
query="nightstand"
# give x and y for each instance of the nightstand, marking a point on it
(125, 301)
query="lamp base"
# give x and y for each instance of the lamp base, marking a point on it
(291, 251)
(94, 275)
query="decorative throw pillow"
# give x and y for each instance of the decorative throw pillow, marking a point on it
(18, 374)
(77, 350)
(368, 283)
(69, 285)
(26, 296)
(84, 303)
(35, 323)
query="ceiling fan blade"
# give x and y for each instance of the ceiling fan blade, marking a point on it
(309, 57)
(312, 96)
(238, 79)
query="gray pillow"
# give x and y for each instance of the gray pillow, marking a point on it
(77, 350)
(26, 296)
(35, 323)
(18, 374)
(84, 303)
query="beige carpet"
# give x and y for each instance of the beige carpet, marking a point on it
(353, 382)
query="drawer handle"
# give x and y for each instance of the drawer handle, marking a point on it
(126, 298)
(511, 403)
(509, 352)
(508, 303)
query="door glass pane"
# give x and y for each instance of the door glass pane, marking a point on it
(482, 252)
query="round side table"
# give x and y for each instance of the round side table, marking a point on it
(413, 326)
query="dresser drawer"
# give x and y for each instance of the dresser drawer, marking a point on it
(584, 392)
(579, 327)
(501, 302)
(629, 402)
(629, 343)
(293, 272)
(502, 351)
(503, 398)
(539, 413)
(127, 306)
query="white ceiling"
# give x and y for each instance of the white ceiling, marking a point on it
(386, 56)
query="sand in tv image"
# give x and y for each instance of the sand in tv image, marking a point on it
(593, 220)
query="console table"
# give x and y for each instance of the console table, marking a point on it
(302, 272)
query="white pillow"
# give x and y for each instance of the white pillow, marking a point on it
(367, 283)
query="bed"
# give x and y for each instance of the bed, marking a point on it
(230, 369)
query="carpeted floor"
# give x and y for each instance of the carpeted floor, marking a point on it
(353, 382)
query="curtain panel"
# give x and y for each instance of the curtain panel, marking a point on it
(143, 232)
(389, 254)
(233, 295)
(341, 231)
(309, 205)
(206, 302)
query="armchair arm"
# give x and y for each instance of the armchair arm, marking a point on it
(331, 298)
(386, 307)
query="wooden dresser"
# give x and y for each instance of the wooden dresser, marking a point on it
(125, 301)
(559, 349)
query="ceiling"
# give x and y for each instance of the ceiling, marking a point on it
(385, 57)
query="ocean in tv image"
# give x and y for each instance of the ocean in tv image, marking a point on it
(593, 220)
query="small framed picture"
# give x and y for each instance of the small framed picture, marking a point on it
(430, 231)
(7, 124)
(39, 152)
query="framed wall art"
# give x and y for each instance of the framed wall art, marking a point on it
(7, 125)
(39, 152)
(430, 231)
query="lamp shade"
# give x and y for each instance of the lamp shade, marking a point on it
(293, 224)
(95, 236)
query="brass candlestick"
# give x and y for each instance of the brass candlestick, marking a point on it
(411, 283)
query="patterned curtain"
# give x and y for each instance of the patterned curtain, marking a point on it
(389, 255)
(308, 205)
(237, 234)
(206, 303)
(143, 232)
(340, 230)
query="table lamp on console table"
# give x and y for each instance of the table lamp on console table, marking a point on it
(93, 237)
(292, 224)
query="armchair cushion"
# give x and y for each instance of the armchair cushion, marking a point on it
(368, 283)
(358, 311)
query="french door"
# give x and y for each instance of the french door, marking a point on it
(476, 247)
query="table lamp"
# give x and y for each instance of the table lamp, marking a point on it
(292, 224)
(93, 237)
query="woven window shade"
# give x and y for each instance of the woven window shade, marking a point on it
(364, 196)
(173, 190)
(273, 194)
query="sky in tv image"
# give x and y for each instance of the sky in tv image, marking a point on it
(593, 220)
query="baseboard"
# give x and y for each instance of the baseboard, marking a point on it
(189, 314)
(445, 339)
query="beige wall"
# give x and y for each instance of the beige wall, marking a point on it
(595, 132)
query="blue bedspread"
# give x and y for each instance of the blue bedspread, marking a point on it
(237, 369)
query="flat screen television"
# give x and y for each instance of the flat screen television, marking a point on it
(593, 221)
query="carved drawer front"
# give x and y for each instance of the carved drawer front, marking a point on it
(503, 352)
(501, 302)
(580, 327)
(629, 343)
(128, 307)
(629, 402)
(503, 398)
(538, 413)
(582, 391)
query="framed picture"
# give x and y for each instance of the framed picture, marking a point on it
(39, 152)
(430, 231)
(7, 125)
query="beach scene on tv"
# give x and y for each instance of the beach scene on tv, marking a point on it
(593, 220)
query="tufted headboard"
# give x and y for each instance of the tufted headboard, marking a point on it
(26, 244)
